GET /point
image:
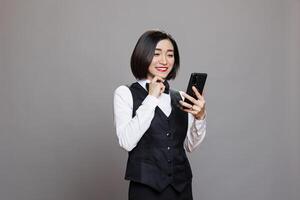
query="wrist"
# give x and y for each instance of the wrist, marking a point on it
(200, 115)
(153, 95)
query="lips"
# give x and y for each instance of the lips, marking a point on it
(161, 69)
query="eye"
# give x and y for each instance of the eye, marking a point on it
(156, 54)
(170, 55)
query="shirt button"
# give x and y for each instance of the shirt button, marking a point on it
(169, 148)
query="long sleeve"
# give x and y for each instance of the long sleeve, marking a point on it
(195, 133)
(130, 130)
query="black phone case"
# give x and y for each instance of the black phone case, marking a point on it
(198, 80)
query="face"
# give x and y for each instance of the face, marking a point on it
(163, 60)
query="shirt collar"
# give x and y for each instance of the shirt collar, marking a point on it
(143, 82)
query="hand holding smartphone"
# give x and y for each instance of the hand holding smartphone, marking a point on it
(198, 80)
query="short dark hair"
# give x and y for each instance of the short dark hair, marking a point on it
(143, 53)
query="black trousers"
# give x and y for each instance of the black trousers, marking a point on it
(139, 191)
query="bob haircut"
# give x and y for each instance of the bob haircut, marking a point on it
(143, 53)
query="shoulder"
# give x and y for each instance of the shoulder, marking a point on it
(122, 91)
(122, 95)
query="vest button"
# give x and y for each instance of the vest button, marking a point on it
(169, 148)
(168, 134)
(169, 174)
(169, 161)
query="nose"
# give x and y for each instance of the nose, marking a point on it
(163, 60)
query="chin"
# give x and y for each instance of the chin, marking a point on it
(164, 76)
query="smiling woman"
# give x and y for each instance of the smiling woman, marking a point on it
(150, 48)
(163, 60)
(152, 127)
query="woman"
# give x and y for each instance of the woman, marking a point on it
(154, 125)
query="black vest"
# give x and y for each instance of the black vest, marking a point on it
(159, 158)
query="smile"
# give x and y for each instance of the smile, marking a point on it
(161, 69)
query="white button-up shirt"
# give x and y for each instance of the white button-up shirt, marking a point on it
(130, 130)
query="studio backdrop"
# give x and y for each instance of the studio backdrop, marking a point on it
(61, 60)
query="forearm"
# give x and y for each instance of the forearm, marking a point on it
(195, 134)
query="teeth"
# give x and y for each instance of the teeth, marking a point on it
(162, 68)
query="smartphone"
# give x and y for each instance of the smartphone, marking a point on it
(198, 80)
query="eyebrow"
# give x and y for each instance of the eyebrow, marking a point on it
(158, 49)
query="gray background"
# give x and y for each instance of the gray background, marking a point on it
(61, 61)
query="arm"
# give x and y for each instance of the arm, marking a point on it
(196, 129)
(130, 130)
(195, 134)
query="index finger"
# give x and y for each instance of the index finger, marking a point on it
(197, 93)
(194, 101)
(157, 78)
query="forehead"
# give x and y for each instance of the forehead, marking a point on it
(165, 44)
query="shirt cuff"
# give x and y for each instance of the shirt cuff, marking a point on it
(200, 123)
(151, 101)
